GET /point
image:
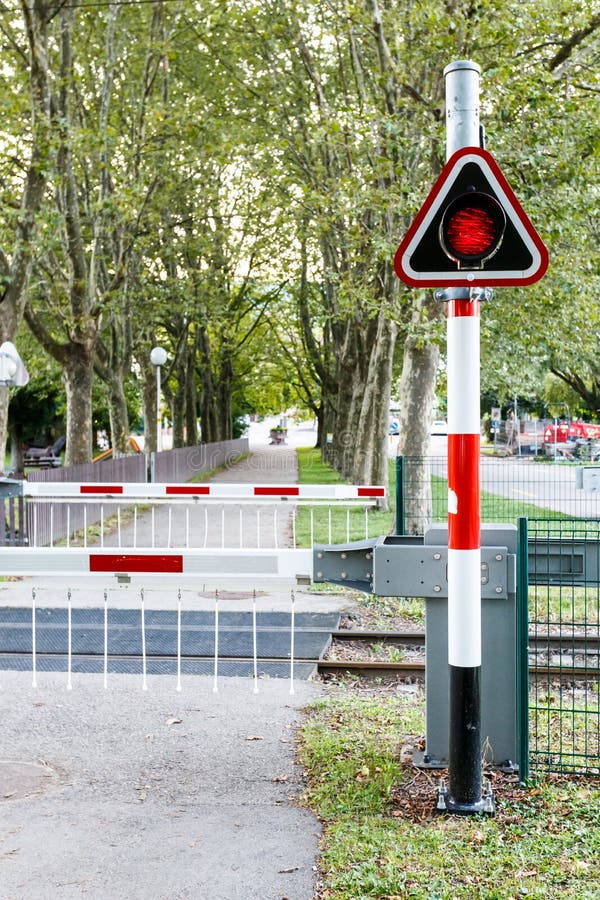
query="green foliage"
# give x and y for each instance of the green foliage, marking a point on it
(352, 758)
(221, 156)
(37, 409)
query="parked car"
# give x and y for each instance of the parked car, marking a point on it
(440, 426)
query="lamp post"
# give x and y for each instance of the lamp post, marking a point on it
(158, 357)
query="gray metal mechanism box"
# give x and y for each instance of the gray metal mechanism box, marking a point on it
(499, 731)
(405, 566)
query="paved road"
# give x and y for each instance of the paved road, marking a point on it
(152, 796)
(550, 486)
(200, 523)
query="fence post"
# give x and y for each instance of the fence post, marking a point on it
(523, 647)
(400, 519)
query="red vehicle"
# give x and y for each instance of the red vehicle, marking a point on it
(573, 431)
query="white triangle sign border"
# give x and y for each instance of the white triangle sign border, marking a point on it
(514, 212)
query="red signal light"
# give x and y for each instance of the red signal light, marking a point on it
(472, 229)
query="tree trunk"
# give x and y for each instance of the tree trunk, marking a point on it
(78, 386)
(17, 451)
(224, 402)
(340, 415)
(148, 392)
(178, 407)
(119, 418)
(371, 458)
(3, 426)
(417, 390)
(191, 398)
(208, 416)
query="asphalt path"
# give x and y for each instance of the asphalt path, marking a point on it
(119, 793)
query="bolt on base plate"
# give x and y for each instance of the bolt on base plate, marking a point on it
(485, 806)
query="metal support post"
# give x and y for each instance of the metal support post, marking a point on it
(158, 413)
(463, 795)
(158, 358)
(400, 521)
(523, 648)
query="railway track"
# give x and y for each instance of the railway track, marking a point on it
(579, 642)
(572, 646)
(579, 653)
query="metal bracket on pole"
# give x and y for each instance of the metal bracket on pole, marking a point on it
(444, 295)
(402, 566)
(350, 565)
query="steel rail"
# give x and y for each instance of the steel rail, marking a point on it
(417, 669)
(417, 638)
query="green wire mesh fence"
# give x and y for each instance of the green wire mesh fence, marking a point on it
(562, 644)
(510, 488)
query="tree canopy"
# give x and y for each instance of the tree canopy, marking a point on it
(231, 180)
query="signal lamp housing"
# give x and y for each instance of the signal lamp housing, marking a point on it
(472, 228)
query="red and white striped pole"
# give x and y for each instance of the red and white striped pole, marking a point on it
(464, 794)
(464, 556)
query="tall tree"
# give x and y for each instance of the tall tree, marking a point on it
(102, 188)
(24, 181)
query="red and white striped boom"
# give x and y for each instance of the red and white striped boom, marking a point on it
(163, 491)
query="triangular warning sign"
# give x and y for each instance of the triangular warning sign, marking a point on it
(423, 260)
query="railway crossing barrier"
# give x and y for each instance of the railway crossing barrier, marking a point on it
(545, 578)
(93, 563)
(185, 515)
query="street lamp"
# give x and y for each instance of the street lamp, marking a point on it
(158, 357)
(12, 370)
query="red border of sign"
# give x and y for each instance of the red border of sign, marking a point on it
(487, 279)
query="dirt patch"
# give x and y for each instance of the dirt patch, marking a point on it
(367, 618)
(416, 799)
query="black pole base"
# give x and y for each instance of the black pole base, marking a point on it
(448, 805)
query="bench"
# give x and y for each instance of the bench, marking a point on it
(45, 457)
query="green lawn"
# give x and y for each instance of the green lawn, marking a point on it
(543, 843)
(382, 838)
(493, 507)
(324, 525)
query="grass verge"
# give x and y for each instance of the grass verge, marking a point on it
(329, 525)
(325, 525)
(322, 524)
(379, 843)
